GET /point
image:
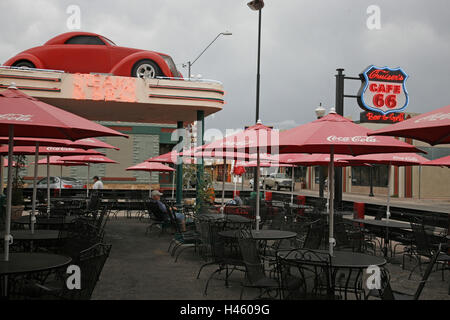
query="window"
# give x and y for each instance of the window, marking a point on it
(93, 40)
(361, 176)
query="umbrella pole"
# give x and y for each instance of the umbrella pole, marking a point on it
(33, 201)
(420, 177)
(60, 182)
(48, 185)
(87, 182)
(8, 237)
(223, 183)
(331, 239)
(173, 184)
(1, 174)
(292, 186)
(388, 213)
(150, 185)
(257, 191)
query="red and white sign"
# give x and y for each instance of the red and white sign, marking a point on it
(383, 90)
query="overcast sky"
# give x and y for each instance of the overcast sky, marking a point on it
(303, 42)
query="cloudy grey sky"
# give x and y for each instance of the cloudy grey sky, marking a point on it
(303, 42)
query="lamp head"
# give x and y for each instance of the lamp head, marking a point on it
(320, 111)
(227, 33)
(256, 5)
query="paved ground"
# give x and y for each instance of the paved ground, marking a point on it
(140, 267)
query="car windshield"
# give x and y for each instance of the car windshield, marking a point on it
(280, 176)
(70, 179)
(109, 41)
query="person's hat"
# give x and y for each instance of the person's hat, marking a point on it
(156, 193)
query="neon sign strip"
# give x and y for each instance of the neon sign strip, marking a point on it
(4, 86)
(160, 96)
(187, 88)
(30, 78)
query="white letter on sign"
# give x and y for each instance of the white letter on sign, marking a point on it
(74, 280)
(374, 20)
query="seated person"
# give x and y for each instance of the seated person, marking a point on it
(156, 197)
(237, 201)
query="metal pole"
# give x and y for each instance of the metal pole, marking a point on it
(388, 213)
(292, 185)
(189, 70)
(179, 193)
(200, 142)
(331, 239)
(48, 185)
(150, 185)
(60, 181)
(339, 110)
(223, 182)
(33, 201)
(420, 178)
(87, 181)
(8, 237)
(256, 172)
(321, 181)
(258, 218)
(1, 174)
(371, 181)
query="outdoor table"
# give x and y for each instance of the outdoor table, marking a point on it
(20, 263)
(37, 235)
(229, 217)
(44, 221)
(263, 234)
(352, 261)
(388, 224)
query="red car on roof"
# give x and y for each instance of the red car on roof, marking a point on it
(86, 52)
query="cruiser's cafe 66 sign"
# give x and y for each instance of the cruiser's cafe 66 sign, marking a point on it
(383, 94)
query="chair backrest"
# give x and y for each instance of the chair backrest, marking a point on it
(422, 241)
(155, 211)
(306, 274)
(79, 235)
(250, 255)
(91, 264)
(388, 294)
(315, 235)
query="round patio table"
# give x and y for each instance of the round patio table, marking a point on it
(229, 217)
(22, 263)
(39, 234)
(350, 261)
(29, 240)
(264, 234)
(52, 221)
(388, 224)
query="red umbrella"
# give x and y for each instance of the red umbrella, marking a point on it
(150, 167)
(88, 159)
(24, 116)
(432, 127)
(238, 170)
(390, 159)
(35, 119)
(443, 162)
(255, 139)
(335, 134)
(316, 159)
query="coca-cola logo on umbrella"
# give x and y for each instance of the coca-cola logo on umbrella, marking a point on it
(352, 139)
(16, 117)
(383, 90)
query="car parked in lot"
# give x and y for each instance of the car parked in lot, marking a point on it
(61, 182)
(250, 183)
(278, 181)
(86, 52)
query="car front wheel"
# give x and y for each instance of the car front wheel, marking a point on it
(146, 69)
(26, 64)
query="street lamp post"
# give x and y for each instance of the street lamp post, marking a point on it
(189, 63)
(257, 5)
(320, 112)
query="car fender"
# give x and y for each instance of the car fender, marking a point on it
(25, 56)
(124, 66)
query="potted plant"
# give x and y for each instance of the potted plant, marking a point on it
(17, 202)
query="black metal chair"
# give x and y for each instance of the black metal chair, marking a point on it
(423, 247)
(315, 235)
(386, 293)
(79, 236)
(306, 275)
(225, 254)
(157, 217)
(255, 275)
